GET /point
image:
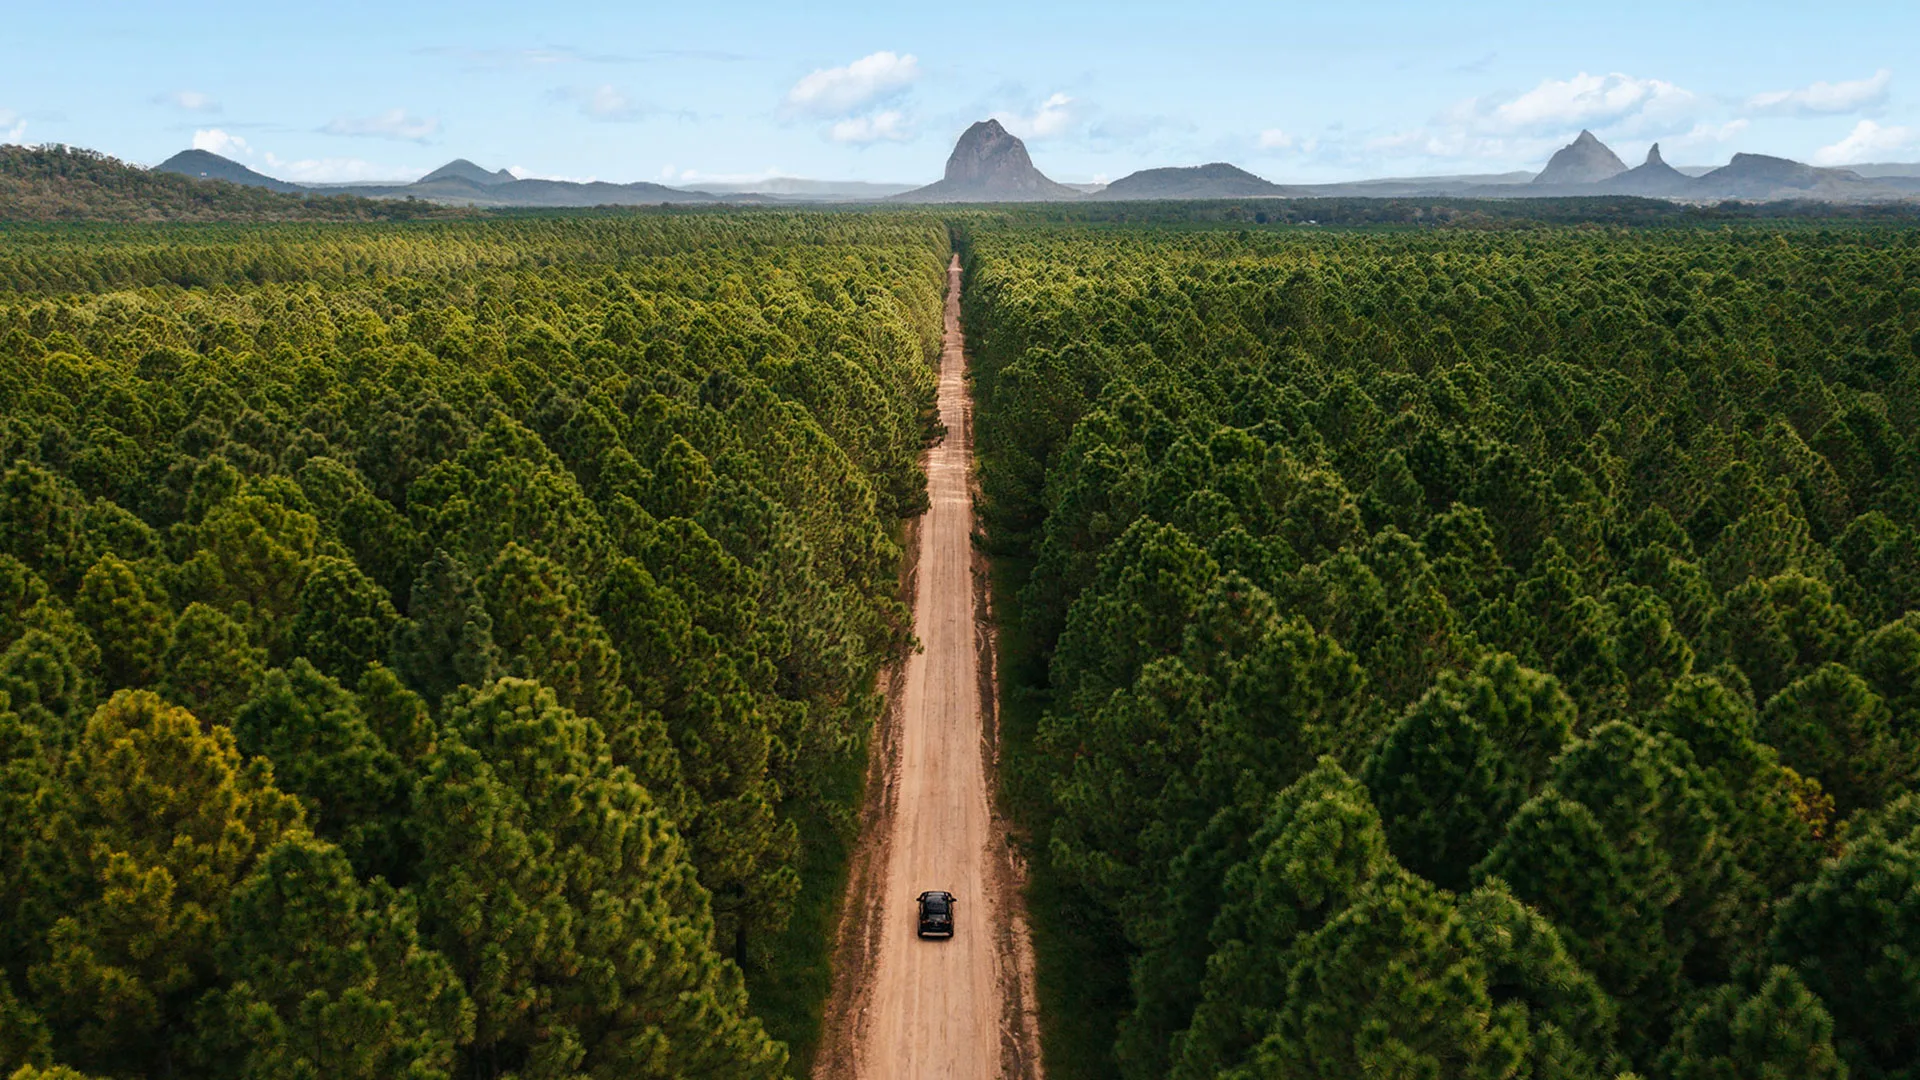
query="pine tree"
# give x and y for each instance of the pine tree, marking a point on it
(24, 1041)
(130, 626)
(1782, 1032)
(446, 640)
(344, 619)
(254, 551)
(544, 632)
(353, 788)
(568, 906)
(1571, 1021)
(1318, 848)
(165, 819)
(1392, 987)
(324, 977)
(40, 524)
(1461, 760)
(1849, 934)
(1829, 724)
(210, 665)
(20, 591)
(1773, 826)
(46, 681)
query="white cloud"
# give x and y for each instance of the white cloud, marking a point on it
(1275, 139)
(336, 170)
(1824, 98)
(215, 141)
(1053, 116)
(1506, 129)
(392, 124)
(1866, 142)
(606, 103)
(888, 125)
(833, 92)
(12, 127)
(190, 101)
(1705, 135)
(1585, 100)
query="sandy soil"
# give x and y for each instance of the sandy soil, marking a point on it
(903, 1007)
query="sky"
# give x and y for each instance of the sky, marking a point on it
(705, 92)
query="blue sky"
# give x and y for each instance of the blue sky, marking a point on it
(703, 91)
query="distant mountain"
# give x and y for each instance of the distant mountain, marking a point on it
(1586, 160)
(1758, 177)
(795, 188)
(203, 165)
(1656, 178)
(990, 165)
(556, 194)
(1216, 181)
(64, 183)
(462, 169)
(1885, 169)
(457, 183)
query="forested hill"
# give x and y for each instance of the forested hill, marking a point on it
(1462, 654)
(61, 183)
(444, 651)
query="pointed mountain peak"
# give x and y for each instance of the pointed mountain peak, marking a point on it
(1586, 160)
(990, 164)
(1653, 156)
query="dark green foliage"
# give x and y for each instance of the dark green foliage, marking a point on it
(323, 750)
(1850, 936)
(165, 820)
(1776, 819)
(1392, 986)
(328, 978)
(1669, 472)
(40, 524)
(567, 905)
(1781, 1032)
(447, 638)
(344, 619)
(323, 487)
(210, 665)
(1320, 844)
(1462, 760)
(24, 1042)
(1832, 726)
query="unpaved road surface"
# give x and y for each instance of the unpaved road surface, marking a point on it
(902, 1007)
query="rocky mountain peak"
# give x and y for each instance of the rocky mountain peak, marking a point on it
(1586, 160)
(1653, 156)
(990, 164)
(988, 152)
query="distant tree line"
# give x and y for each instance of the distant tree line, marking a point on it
(422, 650)
(1466, 654)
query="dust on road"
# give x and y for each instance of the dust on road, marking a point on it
(905, 1008)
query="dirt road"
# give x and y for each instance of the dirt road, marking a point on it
(906, 1008)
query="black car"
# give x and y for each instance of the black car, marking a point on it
(936, 914)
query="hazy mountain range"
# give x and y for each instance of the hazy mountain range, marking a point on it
(990, 164)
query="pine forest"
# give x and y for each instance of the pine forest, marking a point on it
(451, 647)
